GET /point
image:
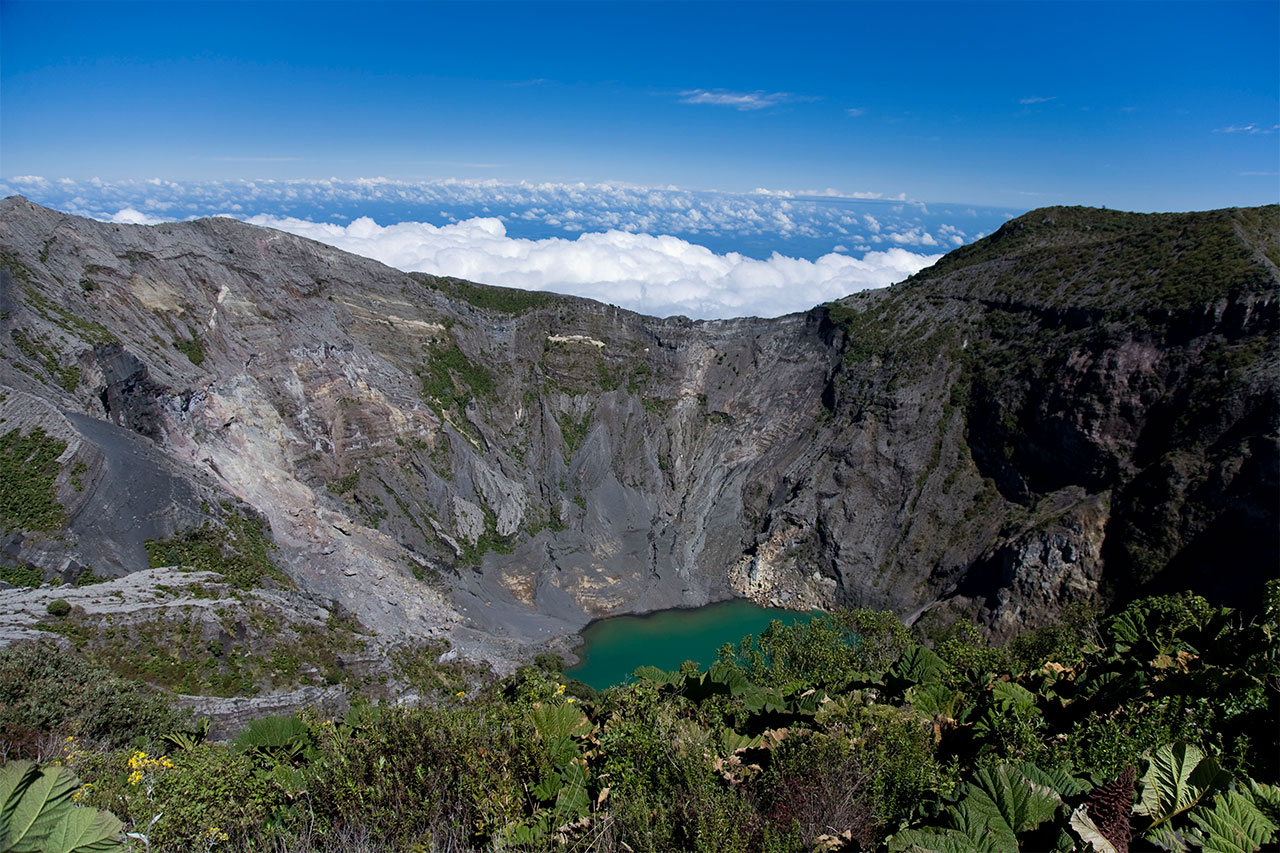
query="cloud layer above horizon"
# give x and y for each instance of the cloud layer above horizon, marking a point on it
(657, 275)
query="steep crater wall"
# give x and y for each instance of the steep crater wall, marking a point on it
(1081, 407)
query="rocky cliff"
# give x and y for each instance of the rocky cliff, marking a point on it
(1082, 406)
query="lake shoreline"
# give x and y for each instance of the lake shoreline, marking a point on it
(612, 647)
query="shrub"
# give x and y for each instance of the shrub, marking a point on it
(207, 786)
(58, 607)
(406, 776)
(45, 691)
(549, 662)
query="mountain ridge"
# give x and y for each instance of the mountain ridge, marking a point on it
(1081, 406)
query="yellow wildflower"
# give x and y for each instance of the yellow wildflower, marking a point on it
(570, 700)
(141, 765)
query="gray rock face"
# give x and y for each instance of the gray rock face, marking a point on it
(1012, 430)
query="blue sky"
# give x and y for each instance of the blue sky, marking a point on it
(1147, 106)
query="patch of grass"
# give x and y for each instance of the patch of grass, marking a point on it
(26, 576)
(28, 468)
(88, 330)
(88, 283)
(48, 357)
(238, 548)
(426, 574)
(420, 668)
(450, 378)
(342, 485)
(639, 378)
(574, 433)
(88, 578)
(441, 456)
(610, 376)
(504, 300)
(77, 471)
(191, 348)
(487, 541)
(16, 268)
(655, 406)
(372, 509)
(249, 648)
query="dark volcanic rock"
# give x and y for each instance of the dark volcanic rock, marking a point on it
(1081, 406)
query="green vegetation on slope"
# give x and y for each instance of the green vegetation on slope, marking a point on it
(504, 300)
(1160, 261)
(450, 378)
(49, 358)
(190, 347)
(28, 468)
(238, 548)
(247, 651)
(841, 733)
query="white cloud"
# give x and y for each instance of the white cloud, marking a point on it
(700, 215)
(757, 100)
(129, 216)
(254, 159)
(913, 237)
(1248, 129)
(1037, 100)
(855, 111)
(660, 275)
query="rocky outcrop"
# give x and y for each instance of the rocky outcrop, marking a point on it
(1082, 406)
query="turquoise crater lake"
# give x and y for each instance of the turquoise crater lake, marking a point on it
(614, 647)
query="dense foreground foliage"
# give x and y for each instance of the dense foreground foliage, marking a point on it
(1155, 728)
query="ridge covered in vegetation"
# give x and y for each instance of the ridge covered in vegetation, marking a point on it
(1155, 728)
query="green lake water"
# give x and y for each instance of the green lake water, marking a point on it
(614, 647)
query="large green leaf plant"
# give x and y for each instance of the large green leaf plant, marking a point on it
(38, 813)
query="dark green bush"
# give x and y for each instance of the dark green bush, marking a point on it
(828, 652)
(59, 607)
(45, 691)
(549, 662)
